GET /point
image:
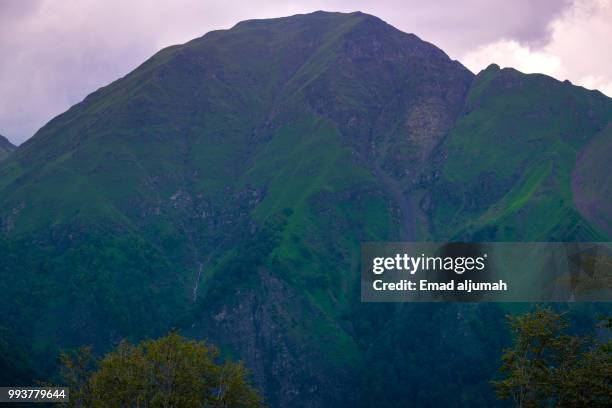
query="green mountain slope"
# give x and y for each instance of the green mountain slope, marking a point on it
(224, 186)
(592, 181)
(509, 161)
(6, 147)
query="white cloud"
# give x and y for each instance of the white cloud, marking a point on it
(510, 53)
(578, 48)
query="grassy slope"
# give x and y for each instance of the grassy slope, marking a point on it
(160, 121)
(510, 160)
(592, 181)
(306, 169)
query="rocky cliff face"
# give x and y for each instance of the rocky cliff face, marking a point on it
(224, 186)
(291, 363)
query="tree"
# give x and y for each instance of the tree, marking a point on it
(547, 367)
(171, 371)
(76, 370)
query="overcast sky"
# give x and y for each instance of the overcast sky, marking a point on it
(55, 52)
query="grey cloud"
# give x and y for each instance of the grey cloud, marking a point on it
(15, 9)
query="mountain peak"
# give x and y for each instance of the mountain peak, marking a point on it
(314, 17)
(266, 61)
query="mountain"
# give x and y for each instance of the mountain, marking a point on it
(224, 187)
(6, 147)
(515, 174)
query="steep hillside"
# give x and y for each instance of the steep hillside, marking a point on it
(592, 181)
(225, 185)
(505, 171)
(6, 147)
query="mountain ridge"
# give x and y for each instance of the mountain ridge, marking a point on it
(6, 147)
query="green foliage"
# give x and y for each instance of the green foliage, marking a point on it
(76, 370)
(432, 355)
(548, 367)
(16, 365)
(171, 371)
(241, 265)
(105, 283)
